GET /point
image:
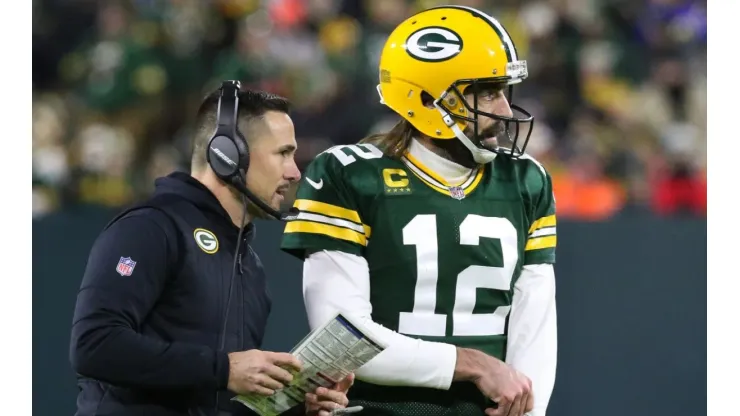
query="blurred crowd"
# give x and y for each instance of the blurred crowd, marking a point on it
(618, 89)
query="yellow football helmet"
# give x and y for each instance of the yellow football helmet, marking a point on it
(441, 51)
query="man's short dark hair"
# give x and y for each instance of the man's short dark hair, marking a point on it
(252, 107)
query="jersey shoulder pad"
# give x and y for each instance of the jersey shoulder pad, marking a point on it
(530, 175)
(346, 169)
(535, 175)
(333, 198)
(542, 235)
(351, 158)
(539, 200)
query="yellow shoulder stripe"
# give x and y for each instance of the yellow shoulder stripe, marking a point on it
(539, 243)
(327, 209)
(543, 222)
(326, 229)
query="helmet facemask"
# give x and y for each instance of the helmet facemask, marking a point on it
(454, 96)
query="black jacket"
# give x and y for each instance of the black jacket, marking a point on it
(145, 335)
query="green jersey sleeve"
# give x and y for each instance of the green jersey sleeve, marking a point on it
(542, 237)
(330, 217)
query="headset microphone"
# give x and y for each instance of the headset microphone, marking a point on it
(283, 216)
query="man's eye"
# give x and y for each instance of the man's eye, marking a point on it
(492, 94)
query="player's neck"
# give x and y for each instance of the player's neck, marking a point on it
(451, 149)
(434, 158)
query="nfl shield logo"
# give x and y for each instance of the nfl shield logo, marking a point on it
(457, 192)
(125, 266)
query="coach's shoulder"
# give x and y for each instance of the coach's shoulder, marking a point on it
(145, 225)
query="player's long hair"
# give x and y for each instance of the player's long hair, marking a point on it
(395, 142)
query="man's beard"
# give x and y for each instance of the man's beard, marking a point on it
(457, 152)
(489, 137)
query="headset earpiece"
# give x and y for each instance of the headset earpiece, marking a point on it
(222, 155)
(243, 148)
(228, 153)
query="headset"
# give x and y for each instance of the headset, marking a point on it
(228, 156)
(228, 150)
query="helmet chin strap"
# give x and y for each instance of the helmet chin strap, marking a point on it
(480, 156)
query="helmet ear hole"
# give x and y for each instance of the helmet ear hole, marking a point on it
(427, 100)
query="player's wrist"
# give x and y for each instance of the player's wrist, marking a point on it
(466, 367)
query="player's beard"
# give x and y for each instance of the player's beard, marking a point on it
(487, 138)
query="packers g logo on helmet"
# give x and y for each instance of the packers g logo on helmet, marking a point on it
(441, 52)
(434, 44)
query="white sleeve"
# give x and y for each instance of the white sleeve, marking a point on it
(532, 339)
(334, 281)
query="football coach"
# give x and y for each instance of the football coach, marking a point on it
(173, 304)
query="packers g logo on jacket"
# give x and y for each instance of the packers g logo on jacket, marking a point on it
(206, 240)
(434, 44)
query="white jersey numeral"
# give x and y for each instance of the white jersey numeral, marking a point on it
(421, 232)
(364, 150)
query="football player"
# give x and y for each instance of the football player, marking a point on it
(435, 235)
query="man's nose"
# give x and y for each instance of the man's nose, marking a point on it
(502, 107)
(293, 174)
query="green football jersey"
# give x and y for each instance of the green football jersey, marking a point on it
(443, 260)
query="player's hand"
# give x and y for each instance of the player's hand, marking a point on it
(323, 400)
(509, 389)
(260, 372)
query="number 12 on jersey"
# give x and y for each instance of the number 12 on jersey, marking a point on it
(421, 232)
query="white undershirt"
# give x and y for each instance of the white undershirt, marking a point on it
(450, 171)
(336, 281)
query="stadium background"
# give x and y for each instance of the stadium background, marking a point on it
(618, 89)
